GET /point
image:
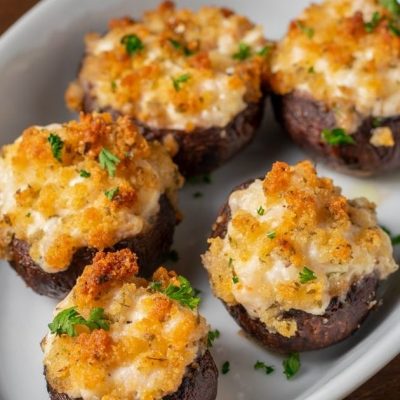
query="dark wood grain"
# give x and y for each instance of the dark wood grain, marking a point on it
(385, 385)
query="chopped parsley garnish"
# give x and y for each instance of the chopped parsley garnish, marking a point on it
(113, 86)
(377, 122)
(56, 144)
(264, 51)
(197, 195)
(243, 53)
(392, 6)
(28, 215)
(291, 365)
(108, 161)
(371, 25)
(336, 137)
(84, 174)
(259, 365)
(235, 279)
(309, 32)
(184, 293)
(226, 366)
(230, 262)
(394, 27)
(260, 210)
(177, 82)
(271, 234)
(311, 70)
(65, 321)
(132, 43)
(179, 46)
(212, 336)
(110, 194)
(306, 275)
(194, 180)
(173, 256)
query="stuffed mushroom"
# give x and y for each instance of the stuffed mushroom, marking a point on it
(335, 79)
(68, 190)
(117, 336)
(192, 80)
(295, 262)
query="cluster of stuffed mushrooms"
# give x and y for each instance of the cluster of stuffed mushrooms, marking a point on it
(88, 207)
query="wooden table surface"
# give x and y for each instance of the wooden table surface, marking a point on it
(383, 386)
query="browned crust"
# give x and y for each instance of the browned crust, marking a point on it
(151, 248)
(202, 150)
(340, 320)
(304, 118)
(199, 383)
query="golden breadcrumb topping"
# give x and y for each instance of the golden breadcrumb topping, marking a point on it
(175, 68)
(89, 183)
(150, 342)
(345, 53)
(295, 242)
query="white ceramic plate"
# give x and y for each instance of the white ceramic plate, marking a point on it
(39, 55)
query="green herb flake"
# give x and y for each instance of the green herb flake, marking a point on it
(243, 53)
(28, 215)
(108, 161)
(173, 256)
(178, 81)
(56, 144)
(111, 193)
(271, 235)
(84, 174)
(197, 179)
(113, 86)
(337, 137)
(371, 25)
(394, 239)
(179, 46)
(259, 365)
(306, 275)
(235, 279)
(394, 27)
(260, 211)
(264, 51)
(212, 336)
(377, 122)
(311, 70)
(226, 366)
(392, 6)
(184, 293)
(197, 195)
(291, 365)
(309, 32)
(66, 321)
(132, 44)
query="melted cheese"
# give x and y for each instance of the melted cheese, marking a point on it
(144, 355)
(291, 220)
(48, 204)
(356, 73)
(218, 85)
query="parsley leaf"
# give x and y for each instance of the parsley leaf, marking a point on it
(212, 336)
(261, 365)
(177, 82)
(306, 275)
(336, 137)
(260, 210)
(291, 365)
(377, 122)
(243, 52)
(65, 321)
(235, 279)
(394, 27)
(394, 239)
(132, 43)
(84, 174)
(194, 180)
(56, 144)
(108, 161)
(179, 46)
(264, 51)
(391, 5)
(226, 366)
(110, 194)
(371, 25)
(309, 32)
(271, 235)
(184, 293)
